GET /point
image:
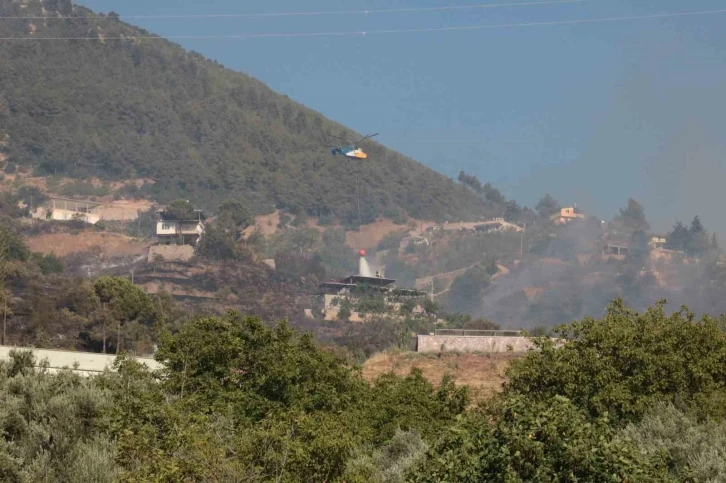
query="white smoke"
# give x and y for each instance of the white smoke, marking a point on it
(363, 269)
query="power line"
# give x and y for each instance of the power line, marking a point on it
(373, 32)
(299, 14)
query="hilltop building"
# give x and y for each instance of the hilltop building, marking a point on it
(66, 209)
(179, 232)
(616, 250)
(497, 224)
(657, 242)
(566, 215)
(487, 226)
(334, 293)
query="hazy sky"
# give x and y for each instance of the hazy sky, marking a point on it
(593, 113)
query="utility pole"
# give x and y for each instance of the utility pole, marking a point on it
(5, 317)
(521, 244)
(357, 195)
(104, 326)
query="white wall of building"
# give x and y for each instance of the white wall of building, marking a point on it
(168, 227)
(65, 215)
(88, 362)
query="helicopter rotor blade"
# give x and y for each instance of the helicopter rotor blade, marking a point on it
(367, 137)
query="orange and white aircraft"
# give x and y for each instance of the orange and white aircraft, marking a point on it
(351, 151)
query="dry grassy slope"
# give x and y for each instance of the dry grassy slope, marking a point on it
(367, 238)
(370, 235)
(483, 373)
(111, 244)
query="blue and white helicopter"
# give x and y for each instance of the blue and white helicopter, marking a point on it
(351, 150)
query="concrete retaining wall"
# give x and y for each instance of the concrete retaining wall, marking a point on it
(171, 253)
(88, 363)
(452, 343)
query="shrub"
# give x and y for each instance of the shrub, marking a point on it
(626, 362)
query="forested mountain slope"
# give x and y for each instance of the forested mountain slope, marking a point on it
(122, 108)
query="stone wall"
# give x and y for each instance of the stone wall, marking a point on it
(453, 343)
(171, 253)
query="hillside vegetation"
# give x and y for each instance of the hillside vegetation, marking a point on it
(632, 397)
(120, 109)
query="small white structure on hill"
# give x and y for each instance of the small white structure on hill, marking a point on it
(658, 242)
(566, 215)
(182, 232)
(66, 209)
(486, 226)
(497, 224)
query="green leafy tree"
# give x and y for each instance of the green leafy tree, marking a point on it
(233, 215)
(547, 206)
(239, 360)
(512, 212)
(53, 425)
(413, 402)
(631, 219)
(627, 361)
(30, 195)
(678, 237)
(216, 244)
(144, 226)
(304, 239)
(12, 243)
(371, 303)
(493, 195)
(470, 181)
(639, 250)
(335, 255)
(692, 450)
(123, 302)
(389, 463)
(346, 310)
(519, 440)
(693, 240)
(49, 263)
(180, 210)
(698, 242)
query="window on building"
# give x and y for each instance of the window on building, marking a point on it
(166, 226)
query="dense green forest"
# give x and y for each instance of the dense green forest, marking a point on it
(633, 397)
(122, 109)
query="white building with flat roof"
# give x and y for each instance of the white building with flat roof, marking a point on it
(66, 209)
(179, 232)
